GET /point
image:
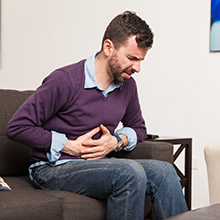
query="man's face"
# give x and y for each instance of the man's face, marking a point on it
(125, 60)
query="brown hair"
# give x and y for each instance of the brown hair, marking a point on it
(126, 25)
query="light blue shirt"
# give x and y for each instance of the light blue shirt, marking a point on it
(59, 140)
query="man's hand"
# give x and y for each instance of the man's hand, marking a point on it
(86, 148)
(97, 149)
(74, 147)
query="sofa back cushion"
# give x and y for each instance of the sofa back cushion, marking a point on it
(14, 157)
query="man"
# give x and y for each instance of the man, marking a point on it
(70, 123)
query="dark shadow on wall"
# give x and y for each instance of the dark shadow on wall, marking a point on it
(0, 37)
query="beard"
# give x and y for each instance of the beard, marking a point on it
(117, 71)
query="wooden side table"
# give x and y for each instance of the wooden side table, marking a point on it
(186, 177)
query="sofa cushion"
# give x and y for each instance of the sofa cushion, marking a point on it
(205, 213)
(13, 156)
(77, 206)
(25, 202)
(14, 160)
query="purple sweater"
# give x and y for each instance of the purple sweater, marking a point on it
(62, 104)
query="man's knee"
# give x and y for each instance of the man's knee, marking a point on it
(168, 169)
(133, 172)
(167, 172)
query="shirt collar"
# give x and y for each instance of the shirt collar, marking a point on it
(90, 80)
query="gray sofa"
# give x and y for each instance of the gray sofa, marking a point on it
(211, 212)
(26, 202)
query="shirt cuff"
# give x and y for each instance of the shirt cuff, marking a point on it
(57, 144)
(131, 136)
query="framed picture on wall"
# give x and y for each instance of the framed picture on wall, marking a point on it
(215, 26)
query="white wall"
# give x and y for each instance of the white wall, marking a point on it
(178, 84)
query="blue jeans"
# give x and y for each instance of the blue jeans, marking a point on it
(122, 182)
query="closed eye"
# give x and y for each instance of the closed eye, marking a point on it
(132, 58)
(135, 58)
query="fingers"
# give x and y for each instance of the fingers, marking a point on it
(94, 131)
(104, 129)
(92, 143)
(92, 153)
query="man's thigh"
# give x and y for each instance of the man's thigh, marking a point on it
(156, 168)
(94, 178)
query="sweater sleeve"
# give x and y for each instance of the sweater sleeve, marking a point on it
(133, 116)
(26, 126)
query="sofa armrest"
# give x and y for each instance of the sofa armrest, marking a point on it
(148, 150)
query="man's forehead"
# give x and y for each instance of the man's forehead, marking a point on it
(137, 57)
(133, 48)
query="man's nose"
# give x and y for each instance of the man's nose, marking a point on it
(136, 66)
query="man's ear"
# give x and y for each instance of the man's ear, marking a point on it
(108, 47)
